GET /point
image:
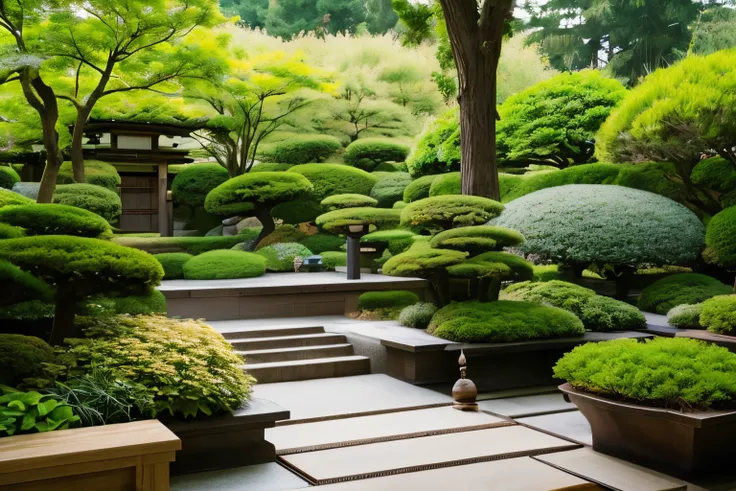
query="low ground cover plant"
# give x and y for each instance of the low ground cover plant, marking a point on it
(685, 316)
(678, 289)
(417, 316)
(221, 265)
(280, 257)
(22, 357)
(173, 264)
(33, 412)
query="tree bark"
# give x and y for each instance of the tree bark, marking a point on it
(264, 216)
(64, 315)
(78, 145)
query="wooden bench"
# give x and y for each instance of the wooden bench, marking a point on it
(120, 457)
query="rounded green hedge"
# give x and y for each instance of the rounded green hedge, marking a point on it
(22, 357)
(95, 172)
(392, 167)
(669, 372)
(685, 316)
(445, 212)
(8, 177)
(394, 299)
(390, 188)
(336, 221)
(9, 198)
(417, 316)
(280, 257)
(54, 219)
(341, 201)
(299, 210)
(419, 188)
(173, 264)
(396, 240)
(227, 264)
(193, 182)
(369, 153)
(17, 285)
(718, 314)
(445, 184)
(331, 179)
(334, 259)
(152, 304)
(502, 322)
(608, 224)
(283, 233)
(720, 237)
(508, 267)
(304, 149)
(271, 167)
(678, 289)
(477, 239)
(10, 232)
(243, 194)
(422, 261)
(320, 242)
(718, 174)
(90, 197)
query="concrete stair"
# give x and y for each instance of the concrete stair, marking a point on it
(288, 353)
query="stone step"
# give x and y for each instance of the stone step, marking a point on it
(320, 339)
(287, 371)
(270, 331)
(299, 353)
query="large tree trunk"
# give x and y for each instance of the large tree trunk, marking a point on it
(64, 315)
(264, 216)
(78, 144)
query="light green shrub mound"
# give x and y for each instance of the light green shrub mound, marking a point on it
(9, 198)
(227, 264)
(685, 316)
(10, 232)
(500, 264)
(320, 242)
(334, 259)
(477, 239)
(438, 149)
(242, 195)
(395, 299)
(299, 210)
(390, 189)
(173, 264)
(193, 182)
(8, 177)
(17, 285)
(271, 167)
(95, 172)
(445, 184)
(90, 197)
(399, 205)
(418, 188)
(608, 224)
(283, 233)
(597, 312)
(502, 322)
(336, 221)
(720, 237)
(668, 372)
(280, 257)
(304, 149)
(22, 357)
(445, 212)
(718, 314)
(52, 219)
(546, 272)
(417, 316)
(396, 241)
(678, 289)
(369, 153)
(340, 201)
(392, 167)
(189, 245)
(331, 179)
(422, 261)
(152, 304)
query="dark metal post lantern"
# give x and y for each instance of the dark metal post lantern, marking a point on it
(354, 233)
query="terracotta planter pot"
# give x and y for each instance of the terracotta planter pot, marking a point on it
(675, 442)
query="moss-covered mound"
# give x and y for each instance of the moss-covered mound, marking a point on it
(685, 316)
(417, 316)
(445, 212)
(504, 265)
(334, 259)
(9, 198)
(95, 172)
(678, 289)
(396, 240)
(189, 245)
(718, 314)
(445, 184)
(395, 299)
(8, 177)
(390, 188)
(193, 182)
(242, 195)
(280, 257)
(320, 242)
(10, 232)
(502, 322)
(299, 210)
(17, 285)
(96, 199)
(50, 219)
(173, 264)
(331, 179)
(271, 167)
(152, 304)
(22, 357)
(336, 221)
(221, 265)
(422, 261)
(303, 149)
(477, 239)
(341, 201)
(368, 153)
(720, 237)
(418, 188)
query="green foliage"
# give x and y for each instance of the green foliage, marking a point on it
(443, 184)
(270, 167)
(417, 316)
(502, 322)
(193, 182)
(299, 210)
(21, 357)
(369, 153)
(393, 299)
(546, 272)
(185, 365)
(336, 221)
(669, 372)
(332, 179)
(477, 239)
(304, 149)
(227, 264)
(396, 241)
(508, 267)
(8, 198)
(95, 172)
(720, 237)
(280, 257)
(390, 188)
(418, 188)
(392, 167)
(10, 232)
(608, 224)
(340, 201)
(719, 175)
(8, 177)
(17, 285)
(714, 30)
(189, 245)
(55, 219)
(319, 243)
(244, 195)
(151, 304)
(33, 412)
(718, 314)
(438, 149)
(334, 259)
(444, 212)
(685, 316)
(173, 264)
(283, 233)
(678, 289)
(95, 199)
(597, 312)
(422, 261)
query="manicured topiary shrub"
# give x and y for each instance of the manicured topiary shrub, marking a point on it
(10, 232)
(394, 299)
(438, 149)
(17, 285)
(598, 313)
(399, 205)
(718, 174)
(477, 239)
(678, 289)
(221, 265)
(90, 197)
(390, 189)
(444, 212)
(503, 321)
(718, 314)
(22, 357)
(193, 182)
(392, 167)
(417, 316)
(173, 264)
(280, 257)
(283, 233)
(334, 259)
(606, 224)
(720, 238)
(507, 267)
(396, 241)
(336, 221)
(298, 211)
(320, 242)
(368, 153)
(418, 188)
(151, 304)
(331, 179)
(546, 272)
(445, 184)
(189, 245)
(685, 316)
(9, 198)
(304, 149)
(340, 201)
(95, 172)
(8, 177)
(676, 373)
(271, 167)
(53, 219)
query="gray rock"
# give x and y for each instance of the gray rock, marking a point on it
(249, 222)
(27, 189)
(230, 230)
(231, 221)
(217, 231)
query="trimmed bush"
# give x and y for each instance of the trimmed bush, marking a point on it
(51, 219)
(296, 211)
(341, 201)
(676, 373)
(332, 179)
(17, 285)
(502, 322)
(244, 195)
(546, 272)
(10, 232)
(685, 316)
(394, 299)
(304, 149)
(90, 197)
(392, 167)
(390, 188)
(399, 205)
(720, 238)
(678, 289)
(9, 198)
(173, 264)
(22, 357)
(153, 303)
(445, 184)
(320, 242)
(334, 259)
(283, 233)
(271, 167)
(444, 212)
(507, 267)
(417, 316)
(718, 174)
(189, 245)
(369, 153)
(396, 241)
(718, 314)
(419, 188)
(8, 177)
(280, 257)
(438, 149)
(95, 172)
(222, 265)
(477, 239)
(607, 224)
(194, 181)
(422, 261)
(336, 221)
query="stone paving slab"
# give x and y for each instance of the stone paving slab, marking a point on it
(377, 459)
(519, 474)
(571, 425)
(261, 477)
(519, 407)
(383, 427)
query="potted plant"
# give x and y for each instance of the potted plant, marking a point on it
(668, 403)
